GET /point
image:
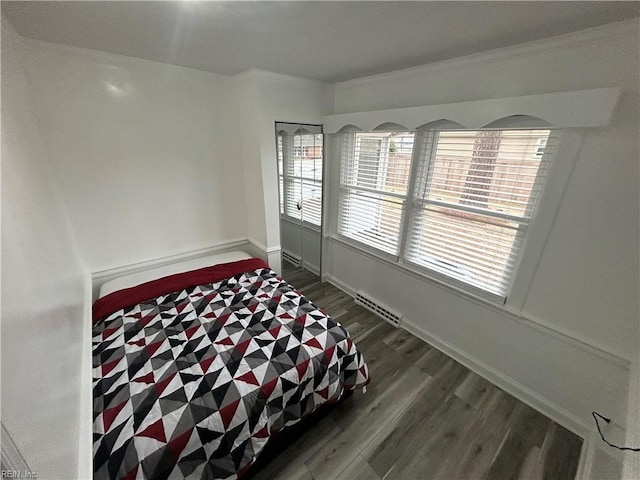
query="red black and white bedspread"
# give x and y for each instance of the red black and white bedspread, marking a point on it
(191, 383)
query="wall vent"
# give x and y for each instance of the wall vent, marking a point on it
(373, 306)
(291, 258)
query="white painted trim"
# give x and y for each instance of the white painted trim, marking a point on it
(631, 464)
(292, 256)
(305, 263)
(311, 267)
(565, 335)
(572, 338)
(159, 262)
(253, 247)
(336, 282)
(85, 434)
(260, 74)
(290, 128)
(593, 443)
(259, 245)
(274, 259)
(583, 37)
(544, 216)
(263, 247)
(102, 276)
(526, 395)
(586, 457)
(575, 109)
(270, 254)
(551, 410)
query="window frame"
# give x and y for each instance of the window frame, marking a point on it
(544, 177)
(287, 180)
(344, 189)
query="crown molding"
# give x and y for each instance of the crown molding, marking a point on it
(259, 74)
(582, 37)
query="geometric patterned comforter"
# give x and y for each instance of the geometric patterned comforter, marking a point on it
(192, 382)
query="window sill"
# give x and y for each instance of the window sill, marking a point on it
(449, 284)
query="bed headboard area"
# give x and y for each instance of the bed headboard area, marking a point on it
(143, 275)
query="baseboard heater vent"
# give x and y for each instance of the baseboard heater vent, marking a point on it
(373, 306)
(291, 259)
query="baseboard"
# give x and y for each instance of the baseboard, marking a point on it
(311, 267)
(305, 264)
(509, 385)
(262, 247)
(340, 284)
(270, 254)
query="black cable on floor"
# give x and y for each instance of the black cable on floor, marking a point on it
(608, 420)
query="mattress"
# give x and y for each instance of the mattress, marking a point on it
(194, 372)
(137, 278)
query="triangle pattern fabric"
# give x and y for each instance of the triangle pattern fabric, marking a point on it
(191, 384)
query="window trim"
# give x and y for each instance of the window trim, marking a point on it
(344, 189)
(568, 109)
(286, 177)
(567, 145)
(424, 273)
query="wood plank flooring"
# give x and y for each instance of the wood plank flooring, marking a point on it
(424, 416)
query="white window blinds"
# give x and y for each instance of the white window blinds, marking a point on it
(465, 206)
(473, 199)
(374, 183)
(300, 176)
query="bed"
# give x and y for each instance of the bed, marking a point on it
(196, 367)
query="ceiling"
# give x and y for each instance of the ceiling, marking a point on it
(328, 41)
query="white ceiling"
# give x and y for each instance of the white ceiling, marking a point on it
(329, 41)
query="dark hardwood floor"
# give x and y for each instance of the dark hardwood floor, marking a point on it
(424, 416)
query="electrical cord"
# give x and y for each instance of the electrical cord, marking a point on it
(608, 420)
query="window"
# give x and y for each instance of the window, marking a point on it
(465, 207)
(541, 143)
(300, 176)
(374, 183)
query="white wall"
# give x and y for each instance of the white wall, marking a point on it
(137, 160)
(569, 345)
(144, 151)
(43, 292)
(632, 459)
(265, 98)
(155, 160)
